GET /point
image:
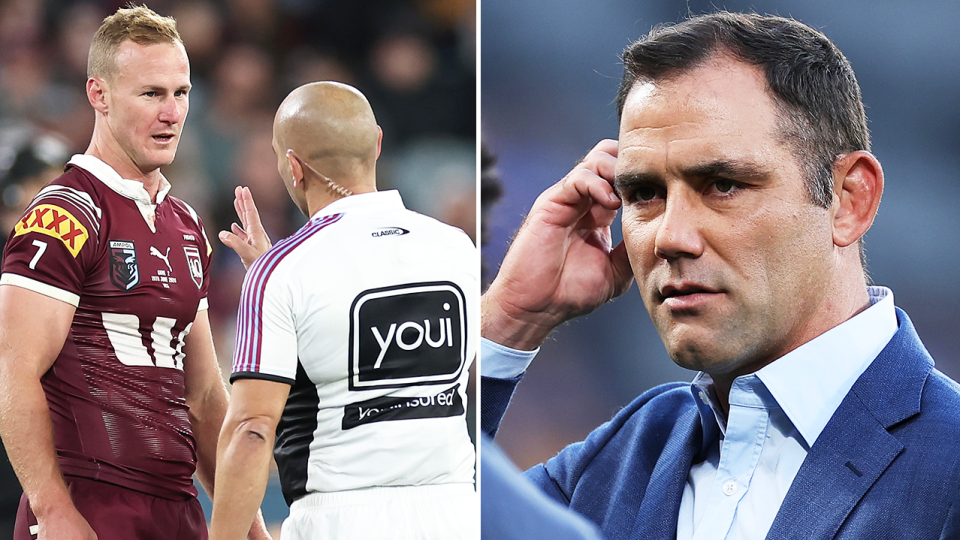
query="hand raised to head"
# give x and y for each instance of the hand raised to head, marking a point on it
(562, 263)
(249, 239)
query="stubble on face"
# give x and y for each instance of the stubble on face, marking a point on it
(731, 257)
(148, 103)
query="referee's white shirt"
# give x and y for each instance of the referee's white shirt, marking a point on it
(369, 313)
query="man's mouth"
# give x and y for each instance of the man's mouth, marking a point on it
(163, 137)
(682, 289)
(683, 296)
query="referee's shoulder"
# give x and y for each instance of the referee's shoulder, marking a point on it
(433, 226)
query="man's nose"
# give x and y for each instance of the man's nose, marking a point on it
(678, 234)
(171, 110)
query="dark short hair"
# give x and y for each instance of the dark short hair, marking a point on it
(810, 81)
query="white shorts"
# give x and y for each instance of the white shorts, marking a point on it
(432, 512)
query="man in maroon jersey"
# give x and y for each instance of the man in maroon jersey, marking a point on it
(110, 393)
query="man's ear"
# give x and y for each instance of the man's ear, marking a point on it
(97, 93)
(295, 168)
(379, 141)
(858, 185)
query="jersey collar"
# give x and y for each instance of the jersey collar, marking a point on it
(131, 189)
(366, 201)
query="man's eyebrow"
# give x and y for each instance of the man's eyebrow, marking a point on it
(155, 88)
(626, 179)
(727, 169)
(734, 170)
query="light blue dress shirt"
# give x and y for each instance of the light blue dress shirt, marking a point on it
(776, 415)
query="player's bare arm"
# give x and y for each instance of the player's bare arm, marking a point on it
(243, 455)
(33, 328)
(206, 395)
(249, 239)
(562, 263)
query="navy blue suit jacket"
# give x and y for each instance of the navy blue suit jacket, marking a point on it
(886, 466)
(514, 509)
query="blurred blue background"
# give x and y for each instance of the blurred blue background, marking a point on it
(550, 71)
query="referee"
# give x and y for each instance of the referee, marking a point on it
(353, 343)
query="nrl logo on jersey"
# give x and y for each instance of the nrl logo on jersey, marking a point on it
(193, 262)
(56, 222)
(124, 272)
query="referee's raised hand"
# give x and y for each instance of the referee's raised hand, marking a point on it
(562, 263)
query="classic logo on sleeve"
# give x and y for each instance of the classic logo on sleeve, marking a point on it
(407, 335)
(389, 231)
(54, 221)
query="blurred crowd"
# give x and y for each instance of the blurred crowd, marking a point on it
(413, 59)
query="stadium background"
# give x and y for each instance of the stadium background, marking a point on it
(550, 71)
(414, 59)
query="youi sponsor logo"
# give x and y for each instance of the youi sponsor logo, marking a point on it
(407, 335)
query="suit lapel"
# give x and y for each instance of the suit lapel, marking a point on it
(855, 447)
(845, 461)
(657, 517)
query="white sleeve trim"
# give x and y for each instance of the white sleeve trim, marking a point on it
(500, 362)
(204, 304)
(39, 287)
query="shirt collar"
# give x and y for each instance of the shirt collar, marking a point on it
(809, 382)
(712, 419)
(368, 201)
(131, 189)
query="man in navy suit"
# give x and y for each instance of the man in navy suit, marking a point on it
(746, 182)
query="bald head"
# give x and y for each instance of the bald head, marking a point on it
(330, 126)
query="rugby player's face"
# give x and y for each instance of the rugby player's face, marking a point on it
(730, 254)
(148, 102)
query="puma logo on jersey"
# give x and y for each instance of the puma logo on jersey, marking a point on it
(56, 222)
(155, 251)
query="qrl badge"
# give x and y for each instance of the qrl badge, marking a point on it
(124, 272)
(193, 261)
(408, 335)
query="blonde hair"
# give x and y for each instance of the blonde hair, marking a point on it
(139, 24)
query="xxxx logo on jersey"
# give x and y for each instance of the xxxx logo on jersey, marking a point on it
(54, 221)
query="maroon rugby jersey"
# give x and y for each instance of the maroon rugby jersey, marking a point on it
(116, 391)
